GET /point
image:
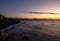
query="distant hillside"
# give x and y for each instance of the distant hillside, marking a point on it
(5, 22)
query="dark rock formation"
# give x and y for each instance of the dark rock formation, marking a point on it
(5, 22)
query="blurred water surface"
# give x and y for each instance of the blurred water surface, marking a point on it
(36, 30)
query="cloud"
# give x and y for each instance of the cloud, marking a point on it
(41, 13)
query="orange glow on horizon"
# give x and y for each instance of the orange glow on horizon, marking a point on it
(40, 16)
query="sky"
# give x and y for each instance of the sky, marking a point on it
(19, 8)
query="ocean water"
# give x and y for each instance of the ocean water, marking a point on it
(35, 30)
